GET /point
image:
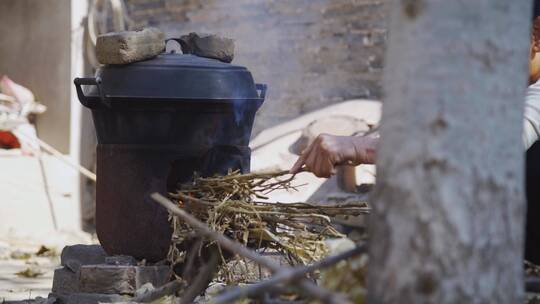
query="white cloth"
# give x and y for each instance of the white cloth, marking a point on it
(531, 123)
(16, 103)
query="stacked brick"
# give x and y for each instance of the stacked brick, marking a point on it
(88, 276)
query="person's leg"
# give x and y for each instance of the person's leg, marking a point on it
(532, 238)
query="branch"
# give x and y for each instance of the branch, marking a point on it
(309, 288)
(200, 283)
(286, 276)
(50, 149)
(188, 198)
(352, 209)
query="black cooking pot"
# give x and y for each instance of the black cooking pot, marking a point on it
(157, 122)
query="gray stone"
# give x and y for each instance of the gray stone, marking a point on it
(65, 281)
(130, 46)
(209, 46)
(118, 279)
(121, 260)
(73, 257)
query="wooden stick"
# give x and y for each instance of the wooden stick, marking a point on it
(285, 276)
(307, 286)
(193, 199)
(329, 209)
(68, 161)
(201, 281)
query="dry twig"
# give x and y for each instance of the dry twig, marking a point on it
(199, 284)
(234, 205)
(285, 276)
(309, 288)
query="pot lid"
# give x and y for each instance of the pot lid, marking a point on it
(175, 77)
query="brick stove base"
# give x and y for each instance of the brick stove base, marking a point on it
(89, 276)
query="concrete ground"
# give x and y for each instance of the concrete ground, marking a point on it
(36, 196)
(19, 254)
(14, 287)
(37, 207)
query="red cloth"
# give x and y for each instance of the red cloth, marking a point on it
(8, 140)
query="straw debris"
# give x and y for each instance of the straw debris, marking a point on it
(236, 205)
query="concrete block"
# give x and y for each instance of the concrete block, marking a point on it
(65, 281)
(130, 46)
(73, 257)
(120, 279)
(209, 46)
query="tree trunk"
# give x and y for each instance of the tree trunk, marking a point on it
(448, 210)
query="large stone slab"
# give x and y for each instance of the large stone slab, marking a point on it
(120, 279)
(130, 46)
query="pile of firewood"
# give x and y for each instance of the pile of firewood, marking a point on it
(235, 205)
(232, 211)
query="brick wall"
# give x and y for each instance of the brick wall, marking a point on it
(311, 53)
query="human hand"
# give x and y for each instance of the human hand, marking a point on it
(328, 151)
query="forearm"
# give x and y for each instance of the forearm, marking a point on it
(365, 149)
(328, 151)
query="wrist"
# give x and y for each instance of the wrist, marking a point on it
(365, 150)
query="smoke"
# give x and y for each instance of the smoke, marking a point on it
(239, 110)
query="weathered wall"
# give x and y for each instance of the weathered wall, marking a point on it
(311, 53)
(35, 51)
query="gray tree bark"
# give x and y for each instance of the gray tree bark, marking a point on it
(447, 224)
